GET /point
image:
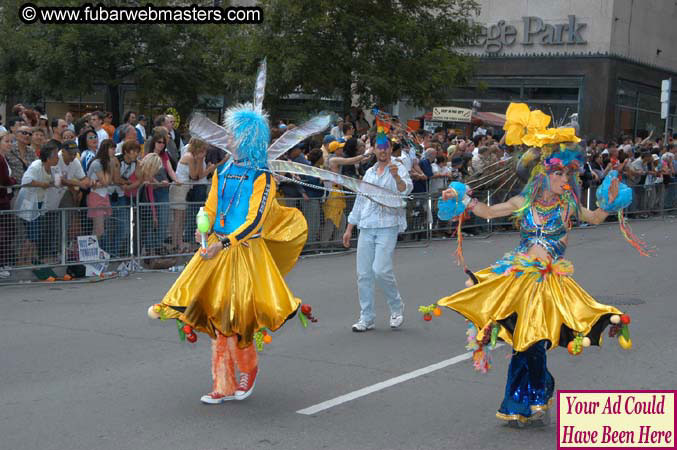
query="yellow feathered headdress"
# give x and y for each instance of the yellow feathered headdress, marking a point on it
(523, 126)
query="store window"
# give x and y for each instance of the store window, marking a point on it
(638, 109)
(558, 97)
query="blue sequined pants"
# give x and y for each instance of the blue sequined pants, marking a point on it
(529, 387)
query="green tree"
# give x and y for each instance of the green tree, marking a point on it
(168, 63)
(377, 50)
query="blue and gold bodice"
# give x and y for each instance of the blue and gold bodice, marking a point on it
(548, 234)
(235, 188)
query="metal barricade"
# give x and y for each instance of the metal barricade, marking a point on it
(150, 230)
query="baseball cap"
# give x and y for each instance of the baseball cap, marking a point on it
(141, 117)
(70, 146)
(328, 138)
(335, 145)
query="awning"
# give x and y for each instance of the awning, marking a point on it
(489, 118)
(485, 118)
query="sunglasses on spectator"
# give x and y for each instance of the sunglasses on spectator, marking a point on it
(160, 142)
(92, 137)
(26, 133)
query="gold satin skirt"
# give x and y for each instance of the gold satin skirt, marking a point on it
(242, 289)
(532, 306)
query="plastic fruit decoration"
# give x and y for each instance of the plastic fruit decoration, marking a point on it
(153, 312)
(428, 311)
(306, 315)
(626, 344)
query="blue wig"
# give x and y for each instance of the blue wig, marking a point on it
(251, 134)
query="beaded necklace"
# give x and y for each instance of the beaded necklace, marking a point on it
(546, 210)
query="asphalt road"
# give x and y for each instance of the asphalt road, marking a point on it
(81, 367)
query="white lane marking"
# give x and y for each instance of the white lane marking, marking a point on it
(385, 384)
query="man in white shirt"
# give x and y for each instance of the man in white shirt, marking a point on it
(379, 226)
(69, 121)
(31, 201)
(402, 156)
(69, 178)
(337, 131)
(96, 121)
(141, 126)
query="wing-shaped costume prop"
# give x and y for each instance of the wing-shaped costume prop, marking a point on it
(212, 133)
(260, 88)
(292, 137)
(376, 193)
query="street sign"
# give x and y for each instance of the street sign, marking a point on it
(666, 88)
(452, 114)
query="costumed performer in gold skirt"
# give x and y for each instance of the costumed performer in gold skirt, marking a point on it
(528, 298)
(234, 287)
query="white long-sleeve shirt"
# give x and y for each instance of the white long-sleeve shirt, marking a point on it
(369, 214)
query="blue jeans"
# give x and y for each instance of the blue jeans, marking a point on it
(154, 233)
(119, 227)
(375, 248)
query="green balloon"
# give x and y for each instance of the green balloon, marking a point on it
(202, 220)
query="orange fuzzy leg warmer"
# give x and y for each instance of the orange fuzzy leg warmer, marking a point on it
(223, 367)
(245, 358)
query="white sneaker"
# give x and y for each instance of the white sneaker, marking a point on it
(361, 326)
(247, 384)
(4, 273)
(396, 319)
(209, 400)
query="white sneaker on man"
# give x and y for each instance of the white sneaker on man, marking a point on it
(361, 326)
(396, 319)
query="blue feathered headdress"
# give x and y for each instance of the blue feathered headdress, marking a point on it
(251, 133)
(565, 157)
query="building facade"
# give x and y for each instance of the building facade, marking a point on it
(601, 59)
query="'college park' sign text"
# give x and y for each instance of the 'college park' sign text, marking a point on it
(498, 36)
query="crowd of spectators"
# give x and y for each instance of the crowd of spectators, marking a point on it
(97, 170)
(93, 171)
